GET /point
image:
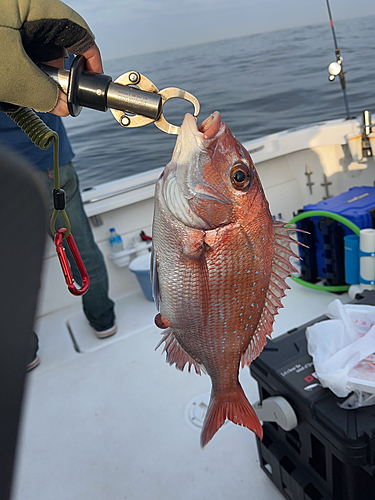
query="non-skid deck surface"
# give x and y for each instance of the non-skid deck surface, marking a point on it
(110, 422)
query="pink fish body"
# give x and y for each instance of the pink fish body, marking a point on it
(219, 265)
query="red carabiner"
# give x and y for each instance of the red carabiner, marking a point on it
(65, 264)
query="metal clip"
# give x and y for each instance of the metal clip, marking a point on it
(65, 264)
(133, 78)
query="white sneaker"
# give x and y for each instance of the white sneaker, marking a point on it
(106, 333)
(33, 364)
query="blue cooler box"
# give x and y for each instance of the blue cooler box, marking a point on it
(140, 266)
(325, 256)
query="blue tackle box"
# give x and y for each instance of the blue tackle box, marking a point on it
(325, 256)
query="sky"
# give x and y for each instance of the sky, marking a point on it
(130, 27)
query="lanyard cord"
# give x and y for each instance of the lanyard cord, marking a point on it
(58, 194)
(42, 136)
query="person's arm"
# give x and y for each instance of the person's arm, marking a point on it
(39, 31)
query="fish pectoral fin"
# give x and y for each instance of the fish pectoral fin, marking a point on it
(212, 238)
(215, 237)
(193, 248)
(234, 407)
(155, 279)
(176, 354)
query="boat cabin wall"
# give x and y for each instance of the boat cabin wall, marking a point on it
(286, 184)
(324, 151)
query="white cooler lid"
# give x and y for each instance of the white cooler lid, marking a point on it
(141, 263)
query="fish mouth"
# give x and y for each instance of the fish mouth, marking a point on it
(208, 129)
(210, 126)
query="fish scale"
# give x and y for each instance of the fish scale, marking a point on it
(219, 264)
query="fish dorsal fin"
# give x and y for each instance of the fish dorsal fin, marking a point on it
(281, 269)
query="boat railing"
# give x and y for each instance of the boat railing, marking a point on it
(120, 193)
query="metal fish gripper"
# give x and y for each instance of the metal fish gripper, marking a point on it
(132, 98)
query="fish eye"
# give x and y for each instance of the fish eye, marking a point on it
(240, 176)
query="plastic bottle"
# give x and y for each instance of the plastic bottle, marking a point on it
(116, 241)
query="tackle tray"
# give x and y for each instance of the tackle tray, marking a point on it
(324, 257)
(331, 452)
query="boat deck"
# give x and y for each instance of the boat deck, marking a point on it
(108, 419)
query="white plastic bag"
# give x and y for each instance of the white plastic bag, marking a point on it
(338, 345)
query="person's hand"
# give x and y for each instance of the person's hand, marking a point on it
(93, 63)
(34, 31)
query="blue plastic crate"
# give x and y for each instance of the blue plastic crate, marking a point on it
(357, 205)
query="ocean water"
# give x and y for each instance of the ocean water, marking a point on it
(260, 83)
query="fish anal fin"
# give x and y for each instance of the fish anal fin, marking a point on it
(234, 407)
(176, 354)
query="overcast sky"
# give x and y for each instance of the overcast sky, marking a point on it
(127, 27)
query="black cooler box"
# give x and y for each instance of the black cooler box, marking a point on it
(331, 453)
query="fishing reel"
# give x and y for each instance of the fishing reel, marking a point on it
(335, 69)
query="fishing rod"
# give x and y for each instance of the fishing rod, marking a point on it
(336, 68)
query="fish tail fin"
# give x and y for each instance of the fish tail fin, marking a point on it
(234, 407)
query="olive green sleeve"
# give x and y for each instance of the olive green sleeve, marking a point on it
(32, 31)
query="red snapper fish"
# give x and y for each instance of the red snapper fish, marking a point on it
(219, 264)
